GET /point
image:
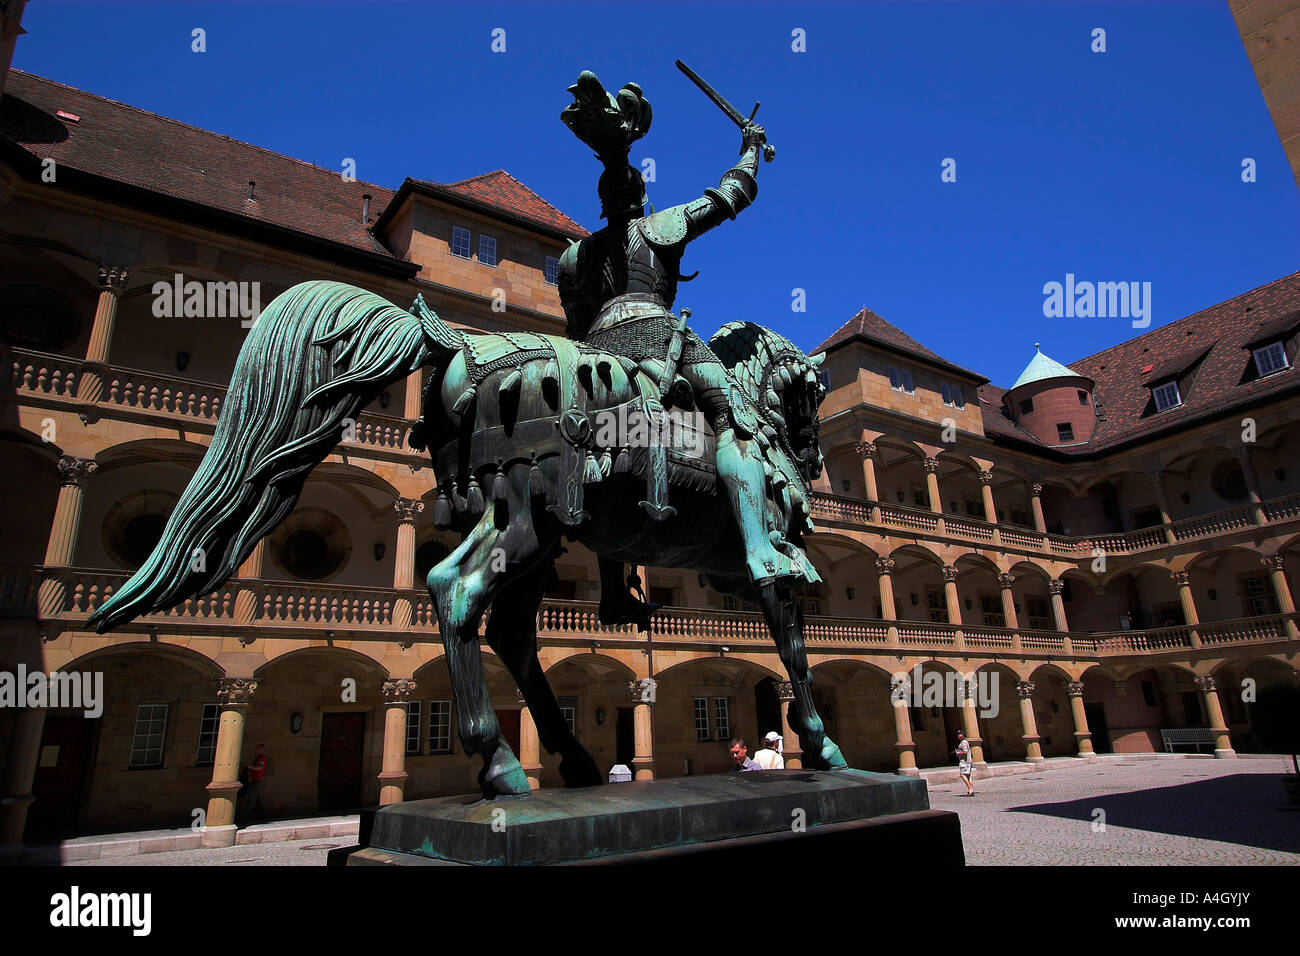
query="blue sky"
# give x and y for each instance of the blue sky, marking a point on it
(1115, 166)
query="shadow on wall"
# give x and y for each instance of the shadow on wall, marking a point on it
(1249, 809)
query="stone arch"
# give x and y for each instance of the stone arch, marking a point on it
(861, 718)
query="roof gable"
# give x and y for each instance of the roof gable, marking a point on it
(870, 327)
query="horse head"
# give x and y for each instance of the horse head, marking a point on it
(783, 382)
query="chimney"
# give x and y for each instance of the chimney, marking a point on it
(11, 15)
(365, 208)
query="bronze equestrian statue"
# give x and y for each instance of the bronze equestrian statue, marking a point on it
(516, 426)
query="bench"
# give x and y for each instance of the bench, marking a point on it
(1194, 737)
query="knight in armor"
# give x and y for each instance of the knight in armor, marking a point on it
(618, 286)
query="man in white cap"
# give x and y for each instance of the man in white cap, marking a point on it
(769, 758)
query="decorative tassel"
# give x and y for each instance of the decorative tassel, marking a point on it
(784, 372)
(463, 402)
(474, 497)
(780, 480)
(624, 463)
(536, 480)
(442, 511)
(457, 502)
(767, 469)
(769, 432)
(773, 400)
(500, 488)
(810, 377)
(591, 471)
(777, 384)
(605, 463)
(510, 383)
(584, 376)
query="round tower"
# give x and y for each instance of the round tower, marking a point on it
(1052, 402)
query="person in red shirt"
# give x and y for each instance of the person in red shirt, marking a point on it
(256, 773)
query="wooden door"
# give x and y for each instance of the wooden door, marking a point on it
(62, 771)
(342, 750)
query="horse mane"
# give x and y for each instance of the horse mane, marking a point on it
(751, 352)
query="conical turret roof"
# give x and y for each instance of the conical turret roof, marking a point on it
(1042, 367)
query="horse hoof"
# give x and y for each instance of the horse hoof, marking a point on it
(832, 758)
(504, 776)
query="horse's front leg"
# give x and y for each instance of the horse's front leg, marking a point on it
(785, 620)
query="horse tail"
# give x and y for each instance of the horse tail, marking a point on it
(315, 357)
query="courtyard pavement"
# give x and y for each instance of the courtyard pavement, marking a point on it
(1154, 810)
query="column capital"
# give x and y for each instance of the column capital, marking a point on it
(784, 691)
(1056, 586)
(931, 465)
(1204, 683)
(1005, 581)
(884, 565)
(235, 690)
(900, 688)
(1024, 689)
(1036, 489)
(398, 690)
(986, 477)
(112, 279)
(408, 508)
(949, 574)
(865, 448)
(642, 690)
(1180, 578)
(76, 471)
(1074, 688)
(1274, 562)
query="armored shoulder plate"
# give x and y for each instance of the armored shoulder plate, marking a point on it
(666, 228)
(567, 270)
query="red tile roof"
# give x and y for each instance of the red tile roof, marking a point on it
(123, 144)
(500, 189)
(1224, 377)
(870, 327)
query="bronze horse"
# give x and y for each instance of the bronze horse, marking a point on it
(520, 466)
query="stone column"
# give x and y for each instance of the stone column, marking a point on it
(1276, 565)
(970, 723)
(1009, 608)
(953, 602)
(19, 774)
(1157, 479)
(404, 559)
(234, 694)
(1214, 711)
(1082, 736)
(90, 388)
(642, 692)
(1036, 503)
(1246, 458)
(1033, 747)
(61, 548)
(1057, 588)
(931, 466)
(411, 409)
(1182, 580)
(900, 693)
(392, 775)
(885, 581)
(793, 752)
(246, 597)
(530, 748)
(990, 509)
(868, 452)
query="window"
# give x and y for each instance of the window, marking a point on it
(900, 380)
(991, 608)
(701, 705)
(824, 377)
(936, 603)
(975, 508)
(1149, 693)
(1167, 396)
(722, 717)
(439, 726)
(209, 723)
(728, 602)
(1271, 358)
(487, 250)
(952, 395)
(552, 270)
(569, 708)
(460, 242)
(1065, 431)
(1083, 397)
(1258, 596)
(1026, 406)
(413, 727)
(1040, 618)
(150, 732)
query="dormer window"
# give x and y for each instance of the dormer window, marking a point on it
(1271, 358)
(952, 395)
(900, 380)
(1166, 396)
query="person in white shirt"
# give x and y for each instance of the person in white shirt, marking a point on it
(769, 758)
